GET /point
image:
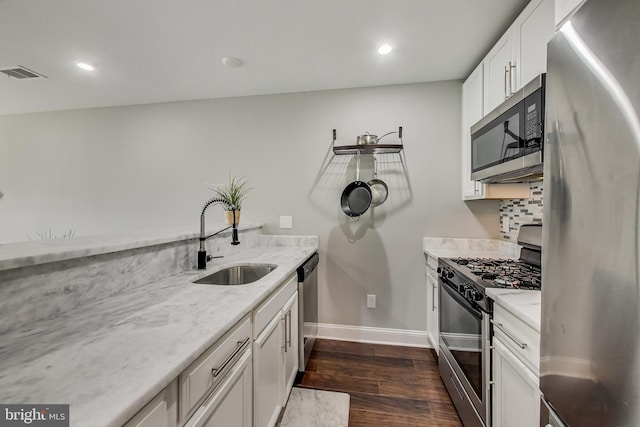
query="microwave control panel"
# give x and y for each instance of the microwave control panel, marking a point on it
(533, 121)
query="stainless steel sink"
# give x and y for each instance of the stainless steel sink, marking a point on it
(237, 274)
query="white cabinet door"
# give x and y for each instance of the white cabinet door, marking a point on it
(533, 30)
(472, 108)
(497, 72)
(516, 398)
(519, 55)
(268, 373)
(230, 405)
(433, 326)
(565, 8)
(290, 345)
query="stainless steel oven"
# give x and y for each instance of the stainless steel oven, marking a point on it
(464, 348)
(465, 320)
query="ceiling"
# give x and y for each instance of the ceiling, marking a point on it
(148, 51)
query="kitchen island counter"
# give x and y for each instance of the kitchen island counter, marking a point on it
(110, 357)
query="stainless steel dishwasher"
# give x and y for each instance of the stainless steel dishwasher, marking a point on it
(307, 308)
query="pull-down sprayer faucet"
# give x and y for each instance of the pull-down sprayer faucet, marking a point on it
(202, 252)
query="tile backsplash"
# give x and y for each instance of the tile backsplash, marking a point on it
(521, 211)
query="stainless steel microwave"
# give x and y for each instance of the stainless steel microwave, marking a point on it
(507, 144)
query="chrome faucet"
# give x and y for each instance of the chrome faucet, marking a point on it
(202, 252)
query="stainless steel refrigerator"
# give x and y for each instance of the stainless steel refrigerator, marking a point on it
(590, 349)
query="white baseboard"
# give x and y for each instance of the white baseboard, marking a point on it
(367, 334)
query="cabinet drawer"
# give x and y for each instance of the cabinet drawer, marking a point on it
(210, 368)
(514, 334)
(268, 309)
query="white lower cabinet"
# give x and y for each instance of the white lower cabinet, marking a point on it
(242, 380)
(268, 366)
(275, 353)
(433, 327)
(515, 359)
(516, 395)
(230, 405)
(291, 359)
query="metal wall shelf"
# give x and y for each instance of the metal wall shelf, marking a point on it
(367, 149)
(342, 150)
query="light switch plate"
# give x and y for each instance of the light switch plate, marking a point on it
(371, 301)
(286, 222)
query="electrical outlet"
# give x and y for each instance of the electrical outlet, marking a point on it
(371, 301)
(286, 222)
(505, 224)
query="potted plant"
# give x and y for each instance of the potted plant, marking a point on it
(233, 193)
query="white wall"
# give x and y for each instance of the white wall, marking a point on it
(121, 169)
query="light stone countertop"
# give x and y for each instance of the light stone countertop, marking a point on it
(523, 303)
(469, 248)
(109, 358)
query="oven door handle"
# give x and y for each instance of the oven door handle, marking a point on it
(511, 337)
(460, 300)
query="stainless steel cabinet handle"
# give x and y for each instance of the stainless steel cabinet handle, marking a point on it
(506, 96)
(433, 297)
(508, 72)
(240, 346)
(512, 67)
(289, 329)
(504, 331)
(284, 323)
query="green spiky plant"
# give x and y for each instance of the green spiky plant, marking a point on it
(233, 193)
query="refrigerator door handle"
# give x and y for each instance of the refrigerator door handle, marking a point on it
(504, 331)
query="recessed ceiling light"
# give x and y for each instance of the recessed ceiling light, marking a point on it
(384, 49)
(85, 66)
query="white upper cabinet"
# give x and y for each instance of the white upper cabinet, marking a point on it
(564, 9)
(472, 107)
(520, 54)
(516, 59)
(497, 66)
(533, 30)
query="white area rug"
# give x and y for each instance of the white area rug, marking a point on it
(316, 408)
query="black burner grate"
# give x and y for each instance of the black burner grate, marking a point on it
(504, 273)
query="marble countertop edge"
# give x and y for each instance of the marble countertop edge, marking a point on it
(27, 254)
(522, 303)
(444, 247)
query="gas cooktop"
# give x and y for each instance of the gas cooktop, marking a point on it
(503, 273)
(470, 277)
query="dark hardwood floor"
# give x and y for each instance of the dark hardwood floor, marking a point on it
(389, 385)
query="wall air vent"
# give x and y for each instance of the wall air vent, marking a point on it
(20, 72)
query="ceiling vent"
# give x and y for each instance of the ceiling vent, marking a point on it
(20, 72)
